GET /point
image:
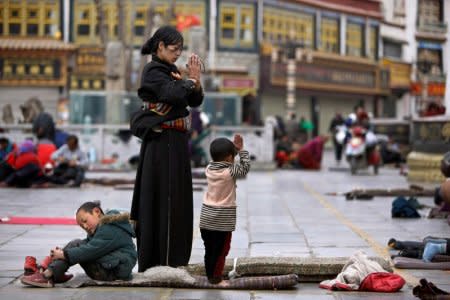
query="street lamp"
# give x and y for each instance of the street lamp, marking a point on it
(290, 77)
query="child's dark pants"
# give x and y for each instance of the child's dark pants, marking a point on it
(93, 269)
(217, 245)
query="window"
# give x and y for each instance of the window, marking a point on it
(139, 30)
(430, 12)
(280, 26)
(51, 20)
(434, 56)
(354, 43)
(329, 35)
(237, 25)
(14, 29)
(399, 7)
(84, 22)
(32, 13)
(139, 15)
(32, 29)
(83, 30)
(392, 49)
(15, 13)
(373, 43)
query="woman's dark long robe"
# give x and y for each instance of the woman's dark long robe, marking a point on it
(162, 199)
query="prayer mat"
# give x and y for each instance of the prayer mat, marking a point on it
(37, 221)
(201, 282)
(308, 269)
(414, 263)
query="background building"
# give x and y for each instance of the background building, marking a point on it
(386, 56)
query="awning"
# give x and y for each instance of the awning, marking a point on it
(35, 44)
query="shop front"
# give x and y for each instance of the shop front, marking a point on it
(327, 84)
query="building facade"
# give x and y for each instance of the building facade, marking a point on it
(341, 53)
(34, 62)
(335, 49)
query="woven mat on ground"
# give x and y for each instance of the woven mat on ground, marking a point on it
(308, 269)
(245, 283)
(441, 258)
(413, 263)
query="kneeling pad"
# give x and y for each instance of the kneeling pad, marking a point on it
(201, 282)
(413, 263)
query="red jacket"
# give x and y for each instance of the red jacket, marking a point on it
(44, 151)
(19, 161)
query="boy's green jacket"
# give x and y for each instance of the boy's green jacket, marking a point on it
(111, 246)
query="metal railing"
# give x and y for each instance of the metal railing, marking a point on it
(105, 141)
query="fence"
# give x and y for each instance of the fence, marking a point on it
(105, 141)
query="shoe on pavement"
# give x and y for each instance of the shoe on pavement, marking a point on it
(38, 280)
(30, 267)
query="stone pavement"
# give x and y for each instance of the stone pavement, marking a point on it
(281, 213)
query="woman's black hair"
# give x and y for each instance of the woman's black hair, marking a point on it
(89, 207)
(166, 34)
(221, 148)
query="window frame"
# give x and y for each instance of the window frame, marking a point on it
(236, 43)
(323, 21)
(353, 40)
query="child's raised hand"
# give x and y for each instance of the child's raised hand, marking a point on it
(238, 142)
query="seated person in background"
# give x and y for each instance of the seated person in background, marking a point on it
(310, 154)
(390, 152)
(70, 162)
(21, 167)
(45, 149)
(283, 151)
(6, 147)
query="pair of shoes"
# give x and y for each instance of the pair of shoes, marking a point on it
(426, 290)
(30, 266)
(37, 279)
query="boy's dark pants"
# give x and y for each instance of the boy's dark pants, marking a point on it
(93, 269)
(217, 245)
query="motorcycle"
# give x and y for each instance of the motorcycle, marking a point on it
(361, 150)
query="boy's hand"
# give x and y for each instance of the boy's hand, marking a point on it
(238, 142)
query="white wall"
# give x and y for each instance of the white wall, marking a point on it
(17, 96)
(446, 56)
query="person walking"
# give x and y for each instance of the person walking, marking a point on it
(162, 205)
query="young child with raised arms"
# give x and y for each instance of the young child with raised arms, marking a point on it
(218, 213)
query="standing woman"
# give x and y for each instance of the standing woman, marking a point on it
(162, 206)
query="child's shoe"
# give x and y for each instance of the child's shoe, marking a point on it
(30, 267)
(45, 262)
(65, 278)
(37, 279)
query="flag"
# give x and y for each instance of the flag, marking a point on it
(186, 21)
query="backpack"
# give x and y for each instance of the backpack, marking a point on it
(402, 208)
(382, 282)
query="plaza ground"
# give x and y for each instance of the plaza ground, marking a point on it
(281, 213)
